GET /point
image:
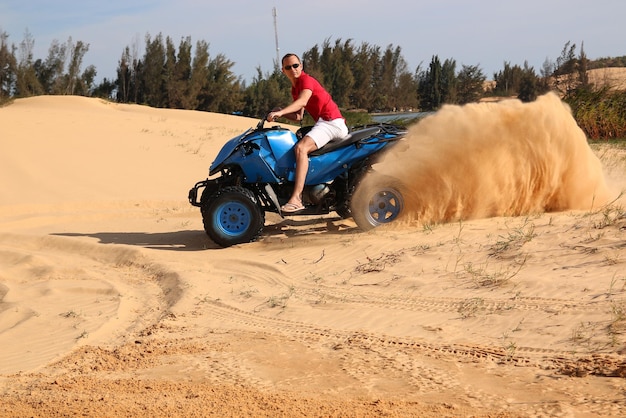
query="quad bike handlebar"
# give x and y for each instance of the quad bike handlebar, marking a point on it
(261, 123)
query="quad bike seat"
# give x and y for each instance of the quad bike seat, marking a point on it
(343, 142)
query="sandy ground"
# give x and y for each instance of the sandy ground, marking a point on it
(114, 302)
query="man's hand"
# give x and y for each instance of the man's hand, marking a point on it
(272, 116)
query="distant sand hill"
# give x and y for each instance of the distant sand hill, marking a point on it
(614, 77)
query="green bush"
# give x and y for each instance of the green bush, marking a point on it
(601, 113)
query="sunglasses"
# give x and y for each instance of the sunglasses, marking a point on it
(288, 67)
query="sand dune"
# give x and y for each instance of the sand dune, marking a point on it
(502, 293)
(613, 77)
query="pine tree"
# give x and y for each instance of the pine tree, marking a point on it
(470, 84)
(7, 68)
(152, 75)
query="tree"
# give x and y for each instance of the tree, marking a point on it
(124, 77)
(105, 89)
(430, 86)
(266, 92)
(363, 77)
(199, 76)
(178, 73)
(405, 92)
(396, 81)
(86, 83)
(508, 80)
(385, 78)
(337, 75)
(222, 92)
(583, 67)
(547, 70)
(363, 64)
(7, 68)
(129, 72)
(528, 84)
(448, 82)
(152, 76)
(27, 83)
(312, 61)
(470, 81)
(50, 72)
(182, 74)
(171, 82)
(73, 79)
(566, 62)
(565, 74)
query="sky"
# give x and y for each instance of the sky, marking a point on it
(484, 33)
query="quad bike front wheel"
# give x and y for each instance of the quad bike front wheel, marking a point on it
(232, 216)
(376, 201)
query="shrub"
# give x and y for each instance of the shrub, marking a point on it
(600, 113)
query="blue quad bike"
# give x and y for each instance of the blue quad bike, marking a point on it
(254, 172)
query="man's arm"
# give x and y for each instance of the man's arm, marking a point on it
(294, 111)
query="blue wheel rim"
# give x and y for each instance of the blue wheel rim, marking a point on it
(385, 206)
(233, 219)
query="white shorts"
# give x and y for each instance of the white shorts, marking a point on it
(323, 131)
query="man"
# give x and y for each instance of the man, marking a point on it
(308, 94)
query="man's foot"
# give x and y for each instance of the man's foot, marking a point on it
(291, 207)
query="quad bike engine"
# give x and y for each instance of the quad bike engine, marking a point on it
(318, 192)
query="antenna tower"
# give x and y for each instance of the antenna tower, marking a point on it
(276, 38)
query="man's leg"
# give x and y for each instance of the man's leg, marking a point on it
(302, 150)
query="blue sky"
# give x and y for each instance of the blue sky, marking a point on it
(482, 32)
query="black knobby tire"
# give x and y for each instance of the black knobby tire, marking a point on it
(376, 201)
(232, 216)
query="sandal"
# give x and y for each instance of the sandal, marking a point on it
(291, 208)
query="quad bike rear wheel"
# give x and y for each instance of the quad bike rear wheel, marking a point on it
(376, 201)
(232, 216)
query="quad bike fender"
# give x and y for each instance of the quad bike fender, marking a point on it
(256, 170)
(253, 160)
(229, 148)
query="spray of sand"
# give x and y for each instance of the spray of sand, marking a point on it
(497, 159)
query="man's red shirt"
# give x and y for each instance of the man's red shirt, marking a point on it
(321, 104)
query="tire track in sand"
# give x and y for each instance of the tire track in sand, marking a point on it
(108, 293)
(543, 358)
